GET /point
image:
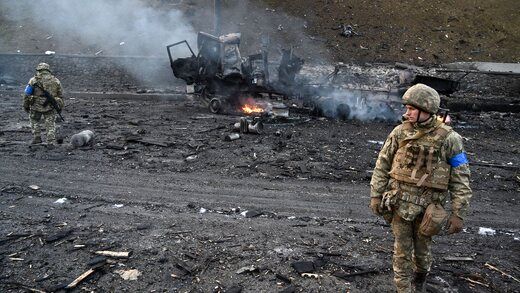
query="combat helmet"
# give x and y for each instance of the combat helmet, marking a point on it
(43, 66)
(423, 98)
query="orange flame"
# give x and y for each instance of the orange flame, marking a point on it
(249, 109)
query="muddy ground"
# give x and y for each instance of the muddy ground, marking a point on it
(198, 213)
(202, 214)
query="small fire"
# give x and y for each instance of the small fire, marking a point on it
(251, 109)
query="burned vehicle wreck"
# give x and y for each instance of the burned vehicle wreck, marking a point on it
(224, 79)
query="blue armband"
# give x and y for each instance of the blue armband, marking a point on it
(458, 160)
(29, 90)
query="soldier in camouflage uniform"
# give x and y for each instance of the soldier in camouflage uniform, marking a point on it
(34, 103)
(422, 162)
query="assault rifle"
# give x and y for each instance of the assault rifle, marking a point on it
(49, 99)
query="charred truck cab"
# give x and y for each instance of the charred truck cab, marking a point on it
(223, 78)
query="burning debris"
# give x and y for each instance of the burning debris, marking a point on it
(223, 78)
(228, 83)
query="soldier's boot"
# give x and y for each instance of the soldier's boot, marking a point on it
(51, 143)
(51, 139)
(419, 282)
(36, 140)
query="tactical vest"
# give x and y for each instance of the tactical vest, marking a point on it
(48, 82)
(418, 159)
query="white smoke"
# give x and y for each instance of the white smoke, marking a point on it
(118, 27)
(358, 104)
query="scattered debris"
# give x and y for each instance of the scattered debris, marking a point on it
(308, 275)
(500, 271)
(79, 279)
(246, 126)
(475, 282)
(184, 268)
(283, 278)
(347, 31)
(61, 200)
(378, 142)
(130, 275)
(97, 261)
(348, 276)
(283, 251)
(458, 258)
(60, 235)
(442, 85)
(508, 166)
(303, 266)
(228, 72)
(486, 231)
(251, 214)
(115, 254)
(232, 136)
(191, 158)
(247, 269)
(83, 138)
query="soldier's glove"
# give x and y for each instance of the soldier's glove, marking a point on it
(454, 224)
(60, 103)
(375, 206)
(27, 104)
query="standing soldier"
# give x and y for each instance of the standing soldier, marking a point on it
(421, 162)
(43, 98)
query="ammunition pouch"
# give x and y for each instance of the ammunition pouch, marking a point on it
(433, 220)
(413, 203)
(388, 216)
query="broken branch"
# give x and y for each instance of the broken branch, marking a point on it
(475, 282)
(79, 279)
(500, 271)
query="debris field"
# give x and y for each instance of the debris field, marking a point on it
(182, 208)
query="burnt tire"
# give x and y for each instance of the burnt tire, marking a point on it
(343, 111)
(215, 105)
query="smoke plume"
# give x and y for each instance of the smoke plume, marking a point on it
(116, 27)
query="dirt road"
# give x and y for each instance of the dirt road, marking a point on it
(201, 214)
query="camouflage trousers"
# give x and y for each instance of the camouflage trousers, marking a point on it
(49, 119)
(412, 252)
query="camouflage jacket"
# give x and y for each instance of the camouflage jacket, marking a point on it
(34, 97)
(405, 197)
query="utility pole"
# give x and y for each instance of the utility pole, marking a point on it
(218, 12)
